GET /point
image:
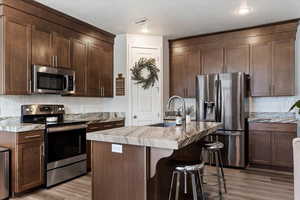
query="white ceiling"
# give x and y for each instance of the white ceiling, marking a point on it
(175, 18)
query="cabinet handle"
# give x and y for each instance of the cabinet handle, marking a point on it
(29, 87)
(43, 150)
(103, 91)
(56, 62)
(32, 136)
(53, 61)
(186, 93)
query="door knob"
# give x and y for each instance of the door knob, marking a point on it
(134, 117)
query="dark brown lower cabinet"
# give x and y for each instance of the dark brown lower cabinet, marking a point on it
(260, 151)
(270, 145)
(27, 159)
(30, 163)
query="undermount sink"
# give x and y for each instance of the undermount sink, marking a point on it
(165, 124)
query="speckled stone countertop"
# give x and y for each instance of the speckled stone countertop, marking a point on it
(13, 124)
(273, 117)
(173, 137)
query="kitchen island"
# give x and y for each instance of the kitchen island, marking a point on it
(135, 162)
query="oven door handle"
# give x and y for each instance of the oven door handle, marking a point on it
(66, 128)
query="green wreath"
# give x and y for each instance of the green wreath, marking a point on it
(142, 64)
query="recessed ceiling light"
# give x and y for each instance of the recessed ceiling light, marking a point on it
(244, 10)
(145, 29)
(143, 22)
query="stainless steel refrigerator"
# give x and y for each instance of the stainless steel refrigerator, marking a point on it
(224, 98)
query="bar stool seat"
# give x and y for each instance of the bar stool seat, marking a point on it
(215, 146)
(195, 172)
(214, 150)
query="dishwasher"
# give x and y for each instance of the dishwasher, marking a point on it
(4, 173)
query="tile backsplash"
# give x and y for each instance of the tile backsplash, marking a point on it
(10, 106)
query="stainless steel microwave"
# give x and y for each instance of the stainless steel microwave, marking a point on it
(52, 80)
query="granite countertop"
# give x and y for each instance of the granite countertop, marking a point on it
(273, 117)
(13, 124)
(159, 137)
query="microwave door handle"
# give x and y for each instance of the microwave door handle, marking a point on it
(67, 83)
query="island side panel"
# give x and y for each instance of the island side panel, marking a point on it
(160, 173)
(119, 176)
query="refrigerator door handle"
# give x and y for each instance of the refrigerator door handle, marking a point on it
(219, 101)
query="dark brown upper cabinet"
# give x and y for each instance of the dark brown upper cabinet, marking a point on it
(212, 60)
(33, 34)
(41, 47)
(266, 53)
(273, 68)
(261, 69)
(237, 59)
(79, 64)
(94, 70)
(61, 51)
(185, 67)
(192, 69)
(16, 57)
(177, 82)
(283, 75)
(107, 71)
(50, 48)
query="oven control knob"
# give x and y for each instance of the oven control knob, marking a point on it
(28, 109)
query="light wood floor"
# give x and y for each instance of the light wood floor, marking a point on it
(249, 184)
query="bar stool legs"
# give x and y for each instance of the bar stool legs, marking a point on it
(196, 181)
(218, 175)
(214, 152)
(222, 171)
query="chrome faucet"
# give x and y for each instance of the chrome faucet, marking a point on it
(170, 101)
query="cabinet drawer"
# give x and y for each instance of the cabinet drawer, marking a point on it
(105, 126)
(108, 125)
(119, 124)
(279, 127)
(30, 136)
(95, 127)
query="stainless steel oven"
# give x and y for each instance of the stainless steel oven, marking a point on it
(65, 147)
(65, 142)
(52, 80)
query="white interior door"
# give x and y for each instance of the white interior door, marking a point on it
(145, 104)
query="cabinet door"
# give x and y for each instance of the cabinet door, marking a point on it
(283, 68)
(177, 75)
(79, 64)
(260, 147)
(62, 51)
(30, 165)
(237, 59)
(41, 47)
(107, 71)
(212, 60)
(282, 149)
(192, 70)
(17, 57)
(261, 69)
(94, 70)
